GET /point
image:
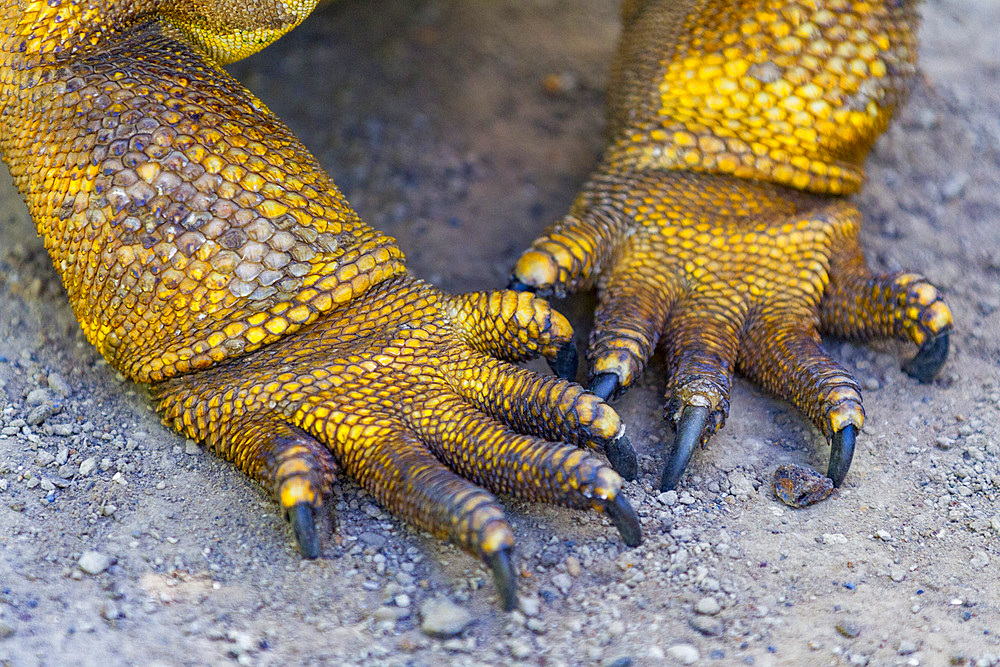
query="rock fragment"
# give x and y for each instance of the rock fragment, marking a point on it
(442, 618)
(94, 562)
(686, 654)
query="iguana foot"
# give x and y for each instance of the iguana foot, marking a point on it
(405, 390)
(716, 225)
(731, 275)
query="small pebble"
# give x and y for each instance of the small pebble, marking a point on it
(573, 566)
(798, 486)
(391, 614)
(686, 654)
(58, 384)
(529, 605)
(372, 539)
(906, 647)
(37, 397)
(848, 629)
(535, 625)
(707, 606)
(442, 618)
(94, 562)
(708, 626)
(87, 466)
(563, 582)
(519, 650)
(622, 661)
(740, 484)
(191, 447)
(6, 631)
(459, 645)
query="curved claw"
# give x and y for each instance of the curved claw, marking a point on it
(566, 361)
(605, 385)
(625, 519)
(929, 358)
(503, 576)
(621, 455)
(689, 430)
(302, 516)
(841, 453)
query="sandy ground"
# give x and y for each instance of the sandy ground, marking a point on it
(433, 118)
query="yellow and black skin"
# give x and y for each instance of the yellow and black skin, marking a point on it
(717, 224)
(206, 253)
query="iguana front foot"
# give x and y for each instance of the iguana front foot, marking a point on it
(405, 390)
(716, 226)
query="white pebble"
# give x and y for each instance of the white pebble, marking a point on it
(94, 562)
(707, 606)
(87, 466)
(684, 654)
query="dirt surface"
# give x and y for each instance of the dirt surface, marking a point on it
(434, 120)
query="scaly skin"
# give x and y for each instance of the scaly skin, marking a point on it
(717, 224)
(205, 251)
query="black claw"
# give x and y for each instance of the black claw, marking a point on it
(605, 385)
(689, 431)
(503, 577)
(841, 453)
(565, 363)
(625, 519)
(302, 516)
(518, 286)
(621, 456)
(929, 358)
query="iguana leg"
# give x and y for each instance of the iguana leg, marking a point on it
(716, 225)
(385, 383)
(206, 252)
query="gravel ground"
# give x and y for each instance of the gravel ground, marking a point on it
(463, 128)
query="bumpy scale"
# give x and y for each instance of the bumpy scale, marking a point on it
(717, 224)
(206, 252)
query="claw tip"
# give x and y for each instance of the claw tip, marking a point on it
(841, 453)
(302, 517)
(690, 429)
(625, 519)
(924, 366)
(503, 577)
(622, 457)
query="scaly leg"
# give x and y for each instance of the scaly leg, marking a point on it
(716, 225)
(206, 252)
